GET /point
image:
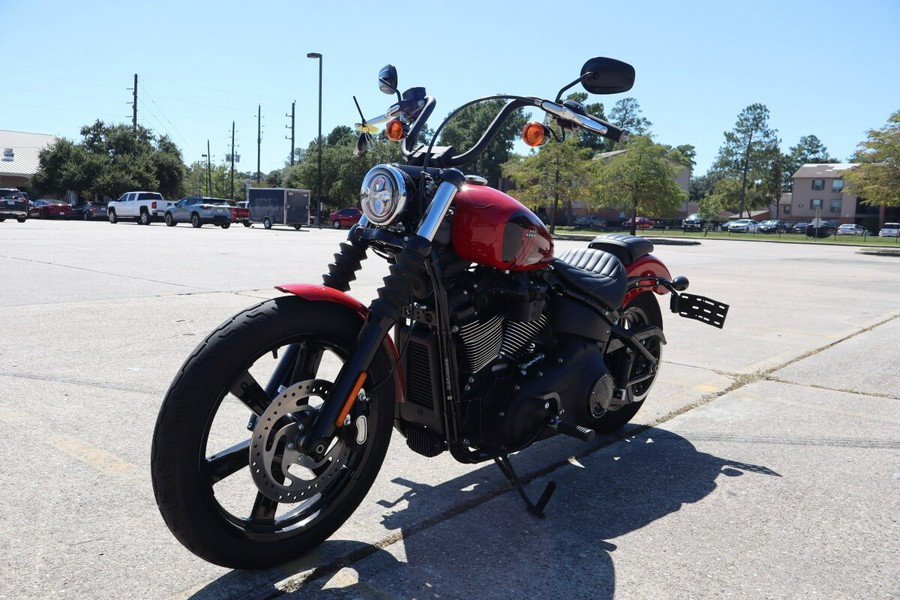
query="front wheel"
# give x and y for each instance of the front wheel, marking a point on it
(273, 365)
(170, 220)
(112, 217)
(641, 311)
(195, 221)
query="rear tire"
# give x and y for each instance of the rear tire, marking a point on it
(641, 311)
(144, 219)
(225, 225)
(201, 447)
(267, 223)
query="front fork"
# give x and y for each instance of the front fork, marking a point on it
(407, 277)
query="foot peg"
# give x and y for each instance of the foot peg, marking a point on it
(576, 431)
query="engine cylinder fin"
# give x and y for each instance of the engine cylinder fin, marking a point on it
(481, 342)
(518, 336)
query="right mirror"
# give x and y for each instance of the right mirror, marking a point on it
(607, 76)
(387, 79)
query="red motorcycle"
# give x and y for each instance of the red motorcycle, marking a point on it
(480, 343)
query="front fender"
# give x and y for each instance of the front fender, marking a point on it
(646, 266)
(320, 293)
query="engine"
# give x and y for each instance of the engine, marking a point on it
(522, 358)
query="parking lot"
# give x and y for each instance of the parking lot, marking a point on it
(765, 464)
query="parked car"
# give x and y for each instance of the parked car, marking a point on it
(94, 210)
(743, 226)
(200, 211)
(640, 223)
(346, 217)
(590, 221)
(242, 213)
(693, 222)
(146, 207)
(772, 226)
(823, 230)
(13, 204)
(724, 226)
(50, 209)
(800, 227)
(890, 230)
(851, 229)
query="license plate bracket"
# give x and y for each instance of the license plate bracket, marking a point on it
(700, 308)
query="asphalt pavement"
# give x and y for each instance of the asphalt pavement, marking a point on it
(765, 464)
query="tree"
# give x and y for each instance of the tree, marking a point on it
(111, 160)
(466, 128)
(641, 176)
(559, 170)
(877, 178)
(808, 150)
(626, 114)
(747, 153)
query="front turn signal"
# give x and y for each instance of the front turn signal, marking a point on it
(535, 134)
(395, 130)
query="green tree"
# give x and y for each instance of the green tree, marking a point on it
(558, 171)
(110, 160)
(877, 178)
(466, 128)
(809, 149)
(747, 153)
(642, 176)
(626, 114)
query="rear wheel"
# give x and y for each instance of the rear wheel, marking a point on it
(267, 223)
(226, 225)
(641, 311)
(274, 365)
(336, 224)
(144, 219)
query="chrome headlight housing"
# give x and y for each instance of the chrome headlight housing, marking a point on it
(383, 195)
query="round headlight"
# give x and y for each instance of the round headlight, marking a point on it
(383, 195)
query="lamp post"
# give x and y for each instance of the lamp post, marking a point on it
(207, 156)
(316, 55)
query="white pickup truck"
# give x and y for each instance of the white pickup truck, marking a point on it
(146, 207)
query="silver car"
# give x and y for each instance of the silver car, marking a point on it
(199, 211)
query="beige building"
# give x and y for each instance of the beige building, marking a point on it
(19, 158)
(818, 191)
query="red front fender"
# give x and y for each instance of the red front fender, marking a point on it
(646, 266)
(320, 293)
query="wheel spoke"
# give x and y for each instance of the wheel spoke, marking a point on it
(248, 391)
(263, 510)
(306, 365)
(228, 462)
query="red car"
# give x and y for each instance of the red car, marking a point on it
(346, 217)
(640, 223)
(49, 209)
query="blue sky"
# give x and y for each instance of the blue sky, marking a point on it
(822, 67)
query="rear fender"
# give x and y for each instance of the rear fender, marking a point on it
(320, 293)
(646, 266)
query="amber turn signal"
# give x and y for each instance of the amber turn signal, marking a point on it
(395, 130)
(535, 134)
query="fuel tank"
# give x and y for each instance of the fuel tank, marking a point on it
(493, 229)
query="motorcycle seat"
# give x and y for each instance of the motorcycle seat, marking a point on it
(627, 248)
(598, 274)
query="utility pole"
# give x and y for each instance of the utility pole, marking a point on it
(232, 161)
(293, 106)
(258, 140)
(134, 104)
(208, 171)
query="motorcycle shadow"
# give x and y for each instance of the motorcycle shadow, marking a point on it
(490, 547)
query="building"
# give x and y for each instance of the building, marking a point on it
(818, 191)
(19, 160)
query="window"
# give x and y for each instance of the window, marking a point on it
(786, 209)
(835, 206)
(816, 203)
(818, 184)
(837, 186)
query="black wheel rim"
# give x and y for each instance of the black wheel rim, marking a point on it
(227, 464)
(642, 372)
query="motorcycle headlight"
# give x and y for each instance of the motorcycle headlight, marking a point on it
(383, 195)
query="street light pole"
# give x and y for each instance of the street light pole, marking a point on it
(316, 55)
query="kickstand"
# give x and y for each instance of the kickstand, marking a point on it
(508, 472)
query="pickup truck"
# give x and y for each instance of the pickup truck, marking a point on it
(146, 207)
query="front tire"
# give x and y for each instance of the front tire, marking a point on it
(336, 224)
(112, 217)
(170, 220)
(202, 449)
(196, 223)
(641, 311)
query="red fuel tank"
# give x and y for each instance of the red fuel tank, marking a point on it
(493, 229)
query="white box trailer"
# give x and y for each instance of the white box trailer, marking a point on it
(278, 206)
